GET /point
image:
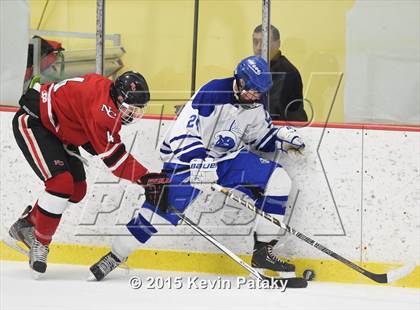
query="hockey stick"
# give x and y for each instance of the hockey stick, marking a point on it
(289, 282)
(389, 277)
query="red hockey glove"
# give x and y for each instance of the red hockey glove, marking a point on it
(156, 186)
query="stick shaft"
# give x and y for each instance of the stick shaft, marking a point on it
(219, 245)
(381, 278)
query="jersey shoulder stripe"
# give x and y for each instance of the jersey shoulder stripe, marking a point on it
(215, 92)
(183, 137)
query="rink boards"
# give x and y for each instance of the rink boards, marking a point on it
(356, 191)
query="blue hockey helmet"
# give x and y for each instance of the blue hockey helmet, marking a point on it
(255, 73)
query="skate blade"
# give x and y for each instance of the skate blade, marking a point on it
(36, 275)
(91, 277)
(276, 274)
(124, 266)
(291, 274)
(13, 244)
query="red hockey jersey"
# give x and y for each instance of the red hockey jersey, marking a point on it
(80, 111)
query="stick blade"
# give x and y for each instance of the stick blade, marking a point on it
(289, 282)
(400, 273)
(296, 282)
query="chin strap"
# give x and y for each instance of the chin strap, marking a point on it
(114, 95)
(236, 91)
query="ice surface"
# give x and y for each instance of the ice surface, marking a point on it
(65, 287)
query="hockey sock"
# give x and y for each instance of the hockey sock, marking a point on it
(79, 191)
(123, 246)
(46, 225)
(267, 231)
(137, 232)
(51, 205)
(32, 214)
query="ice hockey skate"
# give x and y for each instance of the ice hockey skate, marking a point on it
(104, 266)
(21, 231)
(38, 258)
(263, 259)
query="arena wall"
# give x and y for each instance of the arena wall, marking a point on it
(356, 190)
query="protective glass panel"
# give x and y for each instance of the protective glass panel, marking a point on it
(351, 60)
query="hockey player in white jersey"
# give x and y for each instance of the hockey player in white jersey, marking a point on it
(212, 141)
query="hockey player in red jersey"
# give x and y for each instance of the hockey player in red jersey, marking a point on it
(54, 120)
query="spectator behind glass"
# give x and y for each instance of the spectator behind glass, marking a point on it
(286, 97)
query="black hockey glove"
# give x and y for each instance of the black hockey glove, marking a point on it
(156, 186)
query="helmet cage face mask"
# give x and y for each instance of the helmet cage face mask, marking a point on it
(242, 92)
(250, 103)
(130, 113)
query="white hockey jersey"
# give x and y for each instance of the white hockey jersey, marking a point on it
(213, 124)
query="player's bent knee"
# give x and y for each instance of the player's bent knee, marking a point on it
(276, 193)
(79, 191)
(279, 183)
(60, 185)
(58, 190)
(140, 228)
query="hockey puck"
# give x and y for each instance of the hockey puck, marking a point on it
(309, 274)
